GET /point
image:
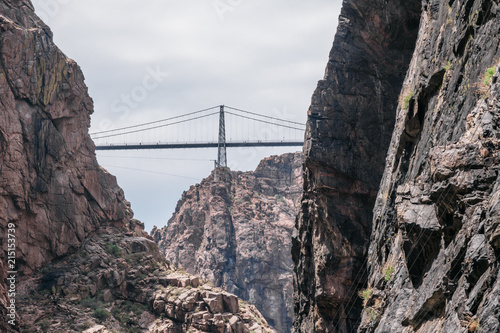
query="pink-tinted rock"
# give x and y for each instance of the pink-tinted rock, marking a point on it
(236, 232)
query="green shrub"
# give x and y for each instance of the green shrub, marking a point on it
(365, 294)
(388, 273)
(121, 315)
(406, 100)
(101, 314)
(114, 250)
(92, 303)
(488, 76)
(447, 67)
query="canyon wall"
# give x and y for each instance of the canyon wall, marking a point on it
(236, 232)
(82, 261)
(51, 188)
(349, 127)
(433, 257)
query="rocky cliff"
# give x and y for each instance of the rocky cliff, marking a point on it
(236, 232)
(349, 127)
(67, 231)
(433, 247)
(433, 257)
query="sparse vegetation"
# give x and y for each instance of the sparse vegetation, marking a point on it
(406, 100)
(101, 314)
(488, 76)
(119, 315)
(134, 330)
(85, 325)
(373, 314)
(365, 294)
(447, 67)
(134, 259)
(92, 303)
(114, 250)
(388, 273)
(482, 87)
(279, 197)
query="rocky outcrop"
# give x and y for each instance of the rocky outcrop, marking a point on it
(117, 282)
(76, 244)
(433, 257)
(349, 127)
(236, 232)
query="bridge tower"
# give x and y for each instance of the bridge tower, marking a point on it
(221, 156)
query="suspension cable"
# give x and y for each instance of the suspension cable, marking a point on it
(154, 127)
(154, 122)
(264, 121)
(148, 171)
(261, 115)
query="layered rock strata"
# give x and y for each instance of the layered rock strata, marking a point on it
(236, 232)
(349, 127)
(76, 243)
(433, 257)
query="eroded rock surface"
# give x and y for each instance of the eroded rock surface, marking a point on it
(349, 127)
(433, 257)
(236, 232)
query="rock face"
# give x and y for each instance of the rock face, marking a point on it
(434, 245)
(236, 232)
(349, 127)
(433, 257)
(50, 182)
(69, 216)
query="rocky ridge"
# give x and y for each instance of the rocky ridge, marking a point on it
(77, 244)
(236, 232)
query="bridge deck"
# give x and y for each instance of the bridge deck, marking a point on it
(199, 145)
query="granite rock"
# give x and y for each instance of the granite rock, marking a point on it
(349, 128)
(236, 232)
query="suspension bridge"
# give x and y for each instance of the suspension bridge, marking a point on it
(196, 130)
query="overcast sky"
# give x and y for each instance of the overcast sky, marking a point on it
(260, 55)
